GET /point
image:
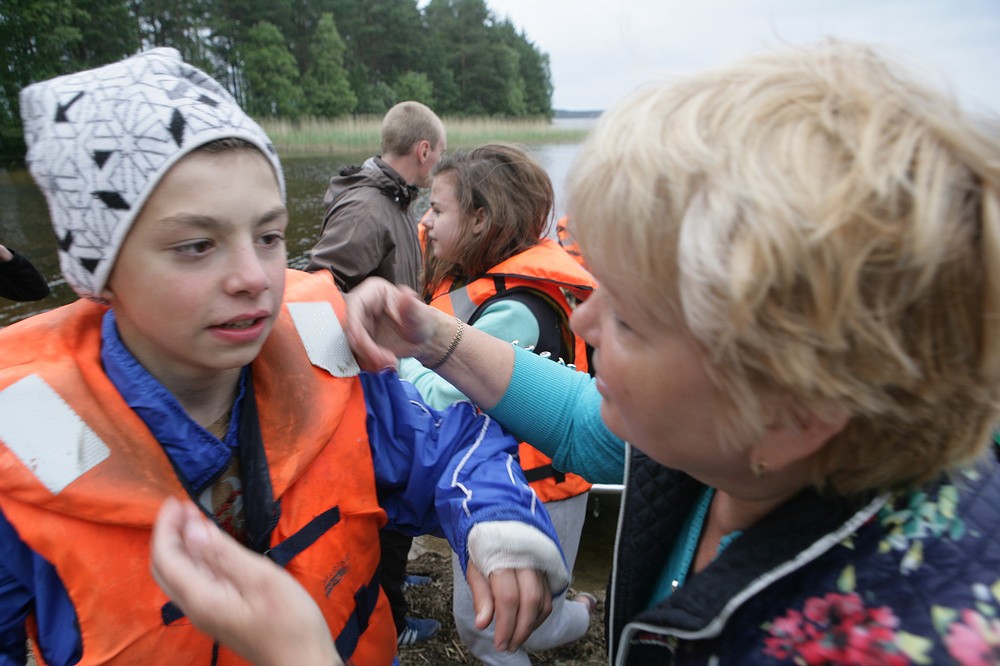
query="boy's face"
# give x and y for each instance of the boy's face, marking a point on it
(200, 277)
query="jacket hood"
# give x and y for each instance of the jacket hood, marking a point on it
(373, 173)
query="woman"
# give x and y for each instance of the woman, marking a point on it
(797, 333)
(486, 263)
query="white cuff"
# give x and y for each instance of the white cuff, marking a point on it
(509, 544)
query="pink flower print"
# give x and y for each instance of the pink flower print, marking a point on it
(836, 629)
(975, 640)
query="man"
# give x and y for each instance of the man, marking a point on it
(369, 230)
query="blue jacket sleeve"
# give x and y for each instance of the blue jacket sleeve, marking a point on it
(16, 594)
(441, 472)
(28, 584)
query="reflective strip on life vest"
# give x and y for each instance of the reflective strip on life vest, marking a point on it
(72, 450)
(324, 337)
(462, 305)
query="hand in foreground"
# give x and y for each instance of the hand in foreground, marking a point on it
(244, 600)
(386, 322)
(518, 599)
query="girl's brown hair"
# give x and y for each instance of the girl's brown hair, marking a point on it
(516, 195)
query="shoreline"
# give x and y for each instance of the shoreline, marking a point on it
(317, 136)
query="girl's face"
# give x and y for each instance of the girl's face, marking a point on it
(444, 224)
(200, 277)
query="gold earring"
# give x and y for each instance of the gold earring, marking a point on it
(758, 467)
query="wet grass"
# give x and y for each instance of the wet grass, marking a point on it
(314, 136)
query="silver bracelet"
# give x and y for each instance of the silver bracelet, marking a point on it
(452, 347)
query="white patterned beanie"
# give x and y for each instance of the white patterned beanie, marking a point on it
(99, 142)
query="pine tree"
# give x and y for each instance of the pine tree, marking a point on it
(326, 84)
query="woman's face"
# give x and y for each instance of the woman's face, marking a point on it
(444, 223)
(655, 391)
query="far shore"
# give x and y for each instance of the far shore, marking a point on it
(361, 134)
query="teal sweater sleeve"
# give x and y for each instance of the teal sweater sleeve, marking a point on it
(558, 410)
(505, 319)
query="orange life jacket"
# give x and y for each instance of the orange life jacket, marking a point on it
(83, 488)
(567, 241)
(548, 271)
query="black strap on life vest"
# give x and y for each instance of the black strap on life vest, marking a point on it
(347, 640)
(283, 552)
(260, 510)
(554, 333)
(364, 605)
(544, 472)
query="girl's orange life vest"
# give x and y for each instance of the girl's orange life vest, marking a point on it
(548, 271)
(95, 528)
(568, 242)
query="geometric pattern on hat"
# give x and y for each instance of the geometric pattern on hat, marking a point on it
(99, 141)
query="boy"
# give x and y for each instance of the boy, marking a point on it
(200, 367)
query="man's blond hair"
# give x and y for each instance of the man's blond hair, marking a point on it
(408, 123)
(830, 231)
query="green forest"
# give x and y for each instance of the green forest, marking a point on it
(289, 59)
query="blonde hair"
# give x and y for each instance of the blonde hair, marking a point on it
(830, 231)
(406, 124)
(516, 196)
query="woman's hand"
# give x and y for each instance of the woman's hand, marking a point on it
(243, 599)
(386, 322)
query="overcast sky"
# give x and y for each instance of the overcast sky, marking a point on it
(601, 49)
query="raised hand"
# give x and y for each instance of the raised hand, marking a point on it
(243, 599)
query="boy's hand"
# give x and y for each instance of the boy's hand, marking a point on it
(243, 599)
(518, 599)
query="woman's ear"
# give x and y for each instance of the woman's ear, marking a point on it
(797, 435)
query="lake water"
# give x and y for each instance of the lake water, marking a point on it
(24, 218)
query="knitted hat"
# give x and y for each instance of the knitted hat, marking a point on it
(99, 142)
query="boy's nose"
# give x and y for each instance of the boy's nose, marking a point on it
(247, 273)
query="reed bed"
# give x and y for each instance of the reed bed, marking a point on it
(318, 136)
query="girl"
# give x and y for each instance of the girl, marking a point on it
(486, 263)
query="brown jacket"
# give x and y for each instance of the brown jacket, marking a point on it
(368, 229)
